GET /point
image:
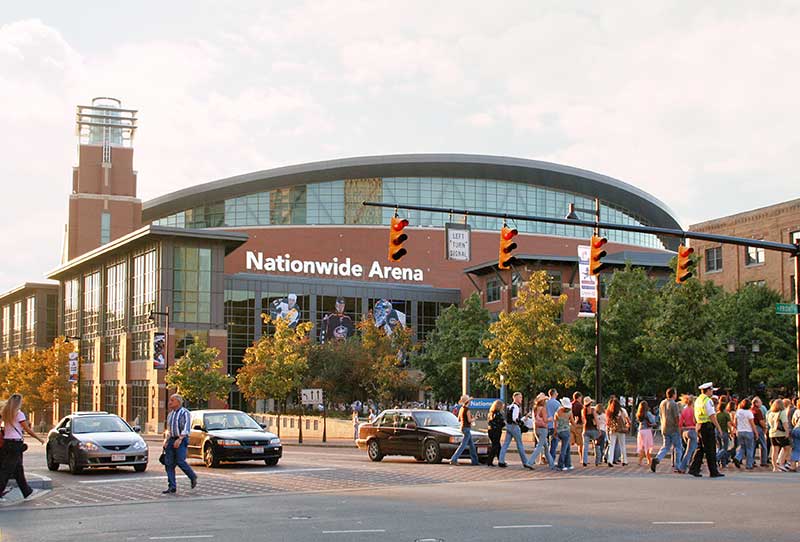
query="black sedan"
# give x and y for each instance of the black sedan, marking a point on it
(95, 439)
(231, 435)
(427, 435)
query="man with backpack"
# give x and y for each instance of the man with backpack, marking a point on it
(514, 425)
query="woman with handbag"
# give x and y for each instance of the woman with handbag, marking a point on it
(778, 422)
(618, 423)
(540, 421)
(14, 425)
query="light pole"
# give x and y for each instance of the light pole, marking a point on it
(571, 215)
(78, 375)
(152, 318)
(756, 349)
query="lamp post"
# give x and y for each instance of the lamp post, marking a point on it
(756, 349)
(152, 318)
(78, 375)
(571, 215)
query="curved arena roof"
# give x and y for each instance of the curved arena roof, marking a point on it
(533, 172)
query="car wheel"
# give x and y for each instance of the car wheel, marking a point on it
(271, 461)
(374, 450)
(431, 452)
(72, 458)
(209, 457)
(140, 468)
(51, 465)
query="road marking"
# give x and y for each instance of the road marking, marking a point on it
(115, 480)
(286, 471)
(355, 531)
(521, 526)
(683, 523)
(184, 537)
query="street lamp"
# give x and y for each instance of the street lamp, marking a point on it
(572, 215)
(152, 318)
(78, 374)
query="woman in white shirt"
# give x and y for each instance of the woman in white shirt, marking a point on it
(746, 434)
(14, 425)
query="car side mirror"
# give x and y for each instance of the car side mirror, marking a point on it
(263, 425)
(411, 426)
(63, 431)
(137, 429)
(197, 427)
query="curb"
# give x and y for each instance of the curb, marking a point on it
(36, 481)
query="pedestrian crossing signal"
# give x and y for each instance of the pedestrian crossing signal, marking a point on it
(396, 238)
(683, 271)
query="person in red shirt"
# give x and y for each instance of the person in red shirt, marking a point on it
(688, 428)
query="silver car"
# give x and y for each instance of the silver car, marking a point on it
(95, 439)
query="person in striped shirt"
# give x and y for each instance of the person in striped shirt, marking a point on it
(176, 442)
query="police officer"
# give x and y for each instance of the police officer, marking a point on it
(706, 417)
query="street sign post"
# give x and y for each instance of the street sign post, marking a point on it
(787, 308)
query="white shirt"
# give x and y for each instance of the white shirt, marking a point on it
(601, 421)
(514, 412)
(14, 431)
(743, 418)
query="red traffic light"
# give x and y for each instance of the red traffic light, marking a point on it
(396, 238)
(683, 269)
(597, 254)
(507, 246)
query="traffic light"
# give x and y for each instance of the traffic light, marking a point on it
(507, 246)
(597, 254)
(683, 271)
(396, 238)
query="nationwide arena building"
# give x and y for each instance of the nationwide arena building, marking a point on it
(297, 241)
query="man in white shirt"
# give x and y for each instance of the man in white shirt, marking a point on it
(513, 431)
(176, 442)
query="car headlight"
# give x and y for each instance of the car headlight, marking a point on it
(228, 442)
(88, 446)
(275, 442)
(455, 440)
(139, 445)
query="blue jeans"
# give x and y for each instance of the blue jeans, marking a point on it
(588, 436)
(551, 435)
(564, 458)
(541, 447)
(761, 442)
(176, 457)
(795, 444)
(690, 436)
(722, 452)
(747, 445)
(466, 441)
(513, 432)
(671, 440)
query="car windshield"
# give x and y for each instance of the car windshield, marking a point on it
(229, 420)
(436, 418)
(99, 424)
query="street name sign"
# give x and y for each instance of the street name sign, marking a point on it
(786, 308)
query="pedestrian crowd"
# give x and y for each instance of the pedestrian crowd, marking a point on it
(722, 431)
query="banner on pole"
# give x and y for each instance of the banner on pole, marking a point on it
(73, 367)
(159, 348)
(588, 284)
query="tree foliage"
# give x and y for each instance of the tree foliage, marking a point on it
(530, 344)
(196, 375)
(275, 366)
(459, 332)
(384, 356)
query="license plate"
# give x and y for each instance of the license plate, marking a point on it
(483, 450)
(258, 449)
(117, 457)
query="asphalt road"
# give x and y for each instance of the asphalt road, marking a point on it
(337, 494)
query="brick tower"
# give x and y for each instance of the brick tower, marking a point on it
(103, 205)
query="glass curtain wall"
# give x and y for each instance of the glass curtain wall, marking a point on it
(144, 292)
(192, 285)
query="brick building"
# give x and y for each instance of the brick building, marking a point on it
(734, 266)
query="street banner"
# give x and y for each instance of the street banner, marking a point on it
(73, 367)
(457, 237)
(159, 348)
(588, 284)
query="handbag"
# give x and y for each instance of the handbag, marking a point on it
(163, 458)
(2, 435)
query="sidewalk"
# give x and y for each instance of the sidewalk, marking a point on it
(41, 486)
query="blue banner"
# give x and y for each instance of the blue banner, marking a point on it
(481, 403)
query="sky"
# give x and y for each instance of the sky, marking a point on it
(695, 103)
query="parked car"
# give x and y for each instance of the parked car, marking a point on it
(231, 435)
(427, 435)
(95, 439)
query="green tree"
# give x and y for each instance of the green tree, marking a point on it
(459, 332)
(275, 366)
(27, 374)
(383, 355)
(339, 368)
(197, 375)
(684, 336)
(749, 315)
(530, 344)
(56, 387)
